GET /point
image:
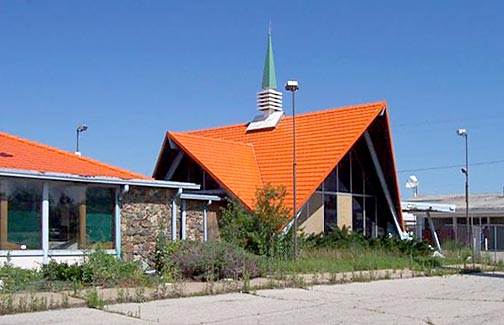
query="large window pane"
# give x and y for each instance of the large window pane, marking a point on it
(81, 217)
(20, 214)
(331, 181)
(344, 175)
(100, 204)
(357, 214)
(65, 208)
(330, 212)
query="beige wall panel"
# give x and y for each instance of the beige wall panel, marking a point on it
(345, 211)
(314, 224)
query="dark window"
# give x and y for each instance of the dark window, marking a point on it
(330, 212)
(344, 175)
(331, 182)
(357, 214)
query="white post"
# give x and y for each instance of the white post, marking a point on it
(117, 224)
(45, 223)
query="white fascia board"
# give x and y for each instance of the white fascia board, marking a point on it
(95, 179)
(428, 206)
(200, 197)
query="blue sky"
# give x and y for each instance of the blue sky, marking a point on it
(132, 70)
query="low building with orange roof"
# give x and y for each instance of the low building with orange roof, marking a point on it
(56, 205)
(344, 162)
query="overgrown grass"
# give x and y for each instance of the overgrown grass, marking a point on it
(332, 260)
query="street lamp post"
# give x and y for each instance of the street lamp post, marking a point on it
(465, 171)
(81, 128)
(292, 86)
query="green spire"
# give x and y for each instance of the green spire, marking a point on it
(269, 77)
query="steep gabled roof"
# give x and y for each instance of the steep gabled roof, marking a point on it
(21, 154)
(240, 160)
(231, 163)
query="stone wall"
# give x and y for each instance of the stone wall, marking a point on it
(143, 209)
(194, 219)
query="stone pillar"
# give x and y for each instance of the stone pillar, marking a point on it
(82, 225)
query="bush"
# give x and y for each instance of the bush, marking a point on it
(259, 232)
(345, 239)
(98, 268)
(214, 260)
(15, 278)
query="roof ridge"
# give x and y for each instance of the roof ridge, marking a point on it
(209, 137)
(68, 154)
(382, 104)
(214, 128)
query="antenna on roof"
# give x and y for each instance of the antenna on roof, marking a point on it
(413, 184)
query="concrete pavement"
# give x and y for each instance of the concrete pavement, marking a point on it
(458, 299)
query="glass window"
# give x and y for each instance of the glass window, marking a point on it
(81, 217)
(370, 212)
(357, 177)
(100, 203)
(357, 214)
(66, 210)
(331, 181)
(20, 214)
(344, 175)
(330, 212)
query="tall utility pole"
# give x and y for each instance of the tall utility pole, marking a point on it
(292, 86)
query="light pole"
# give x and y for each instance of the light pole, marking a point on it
(465, 171)
(292, 86)
(81, 128)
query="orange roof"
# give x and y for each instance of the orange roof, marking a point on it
(21, 154)
(242, 162)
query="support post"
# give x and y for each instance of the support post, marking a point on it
(117, 224)
(45, 223)
(183, 234)
(433, 231)
(82, 224)
(383, 183)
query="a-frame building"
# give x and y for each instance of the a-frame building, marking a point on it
(346, 173)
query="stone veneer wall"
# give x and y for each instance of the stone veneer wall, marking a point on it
(143, 209)
(194, 219)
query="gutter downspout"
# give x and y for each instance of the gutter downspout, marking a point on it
(174, 215)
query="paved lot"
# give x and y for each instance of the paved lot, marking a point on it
(468, 299)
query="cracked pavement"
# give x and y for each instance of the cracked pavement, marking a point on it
(467, 299)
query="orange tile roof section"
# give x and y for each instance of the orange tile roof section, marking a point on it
(21, 154)
(322, 139)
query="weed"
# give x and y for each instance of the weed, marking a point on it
(94, 300)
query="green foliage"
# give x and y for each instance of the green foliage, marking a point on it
(214, 260)
(54, 271)
(258, 232)
(162, 257)
(16, 278)
(344, 238)
(94, 300)
(98, 268)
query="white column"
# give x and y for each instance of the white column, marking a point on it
(45, 223)
(117, 224)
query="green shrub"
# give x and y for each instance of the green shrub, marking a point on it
(215, 260)
(16, 278)
(259, 232)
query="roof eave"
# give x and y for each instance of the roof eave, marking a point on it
(17, 173)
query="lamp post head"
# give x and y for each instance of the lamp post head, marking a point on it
(82, 128)
(292, 85)
(462, 132)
